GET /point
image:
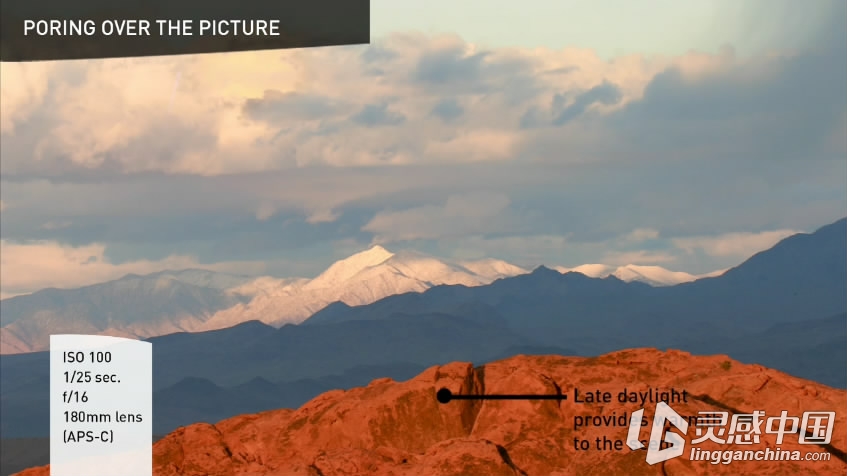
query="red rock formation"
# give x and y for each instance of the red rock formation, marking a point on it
(399, 429)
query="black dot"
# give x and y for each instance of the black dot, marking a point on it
(444, 395)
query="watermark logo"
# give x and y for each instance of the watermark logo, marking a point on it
(656, 454)
(815, 428)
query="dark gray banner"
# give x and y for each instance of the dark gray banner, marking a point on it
(39, 30)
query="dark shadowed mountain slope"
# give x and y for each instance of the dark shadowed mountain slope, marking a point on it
(212, 375)
(294, 352)
(782, 321)
(817, 258)
(296, 355)
(815, 349)
(802, 277)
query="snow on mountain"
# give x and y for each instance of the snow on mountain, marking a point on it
(590, 270)
(232, 284)
(195, 300)
(493, 268)
(360, 279)
(265, 285)
(132, 306)
(652, 275)
(341, 271)
(203, 278)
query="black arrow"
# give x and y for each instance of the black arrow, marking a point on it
(445, 395)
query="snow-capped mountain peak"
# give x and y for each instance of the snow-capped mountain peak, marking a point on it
(493, 268)
(590, 270)
(361, 279)
(344, 269)
(652, 275)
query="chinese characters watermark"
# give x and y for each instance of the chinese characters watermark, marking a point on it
(815, 428)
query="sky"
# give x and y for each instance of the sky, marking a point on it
(688, 135)
(610, 27)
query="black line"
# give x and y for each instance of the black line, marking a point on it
(444, 395)
(508, 397)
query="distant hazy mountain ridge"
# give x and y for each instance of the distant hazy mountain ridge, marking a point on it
(133, 306)
(199, 300)
(360, 279)
(195, 300)
(652, 275)
(785, 308)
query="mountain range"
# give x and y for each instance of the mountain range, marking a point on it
(785, 307)
(197, 300)
(652, 275)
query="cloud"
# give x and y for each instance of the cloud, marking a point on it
(531, 250)
(459, 215)
(323, 216)
(30, 84)
(641, 234)
(448, 109)
(271, 110)
(276, 110)
(28, 267)
(378, 115)
(278, 107)
(265, 211)
(606, 93)
(261, 155)
(736, 245)
(641, 257)
(450, 65)
(642, 246)
(527, 250)
(475, 146)
(52, 225)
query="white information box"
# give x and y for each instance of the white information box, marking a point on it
(101, 406)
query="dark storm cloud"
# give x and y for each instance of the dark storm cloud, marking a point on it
(760, 110)
(786, 114)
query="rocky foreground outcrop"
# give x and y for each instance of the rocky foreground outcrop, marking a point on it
(400, 429)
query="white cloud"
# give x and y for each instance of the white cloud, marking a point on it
(28, 267)
(459, 215)
(322, 216)
(737, 245)
(269, 110)
(524, 250)
(25, 87)
(53, 225)
(696, 145)
(476, 146)
(265, 211)
(639, 257)
(641, 234)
